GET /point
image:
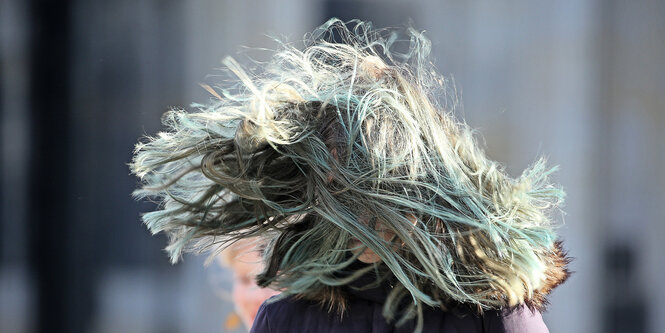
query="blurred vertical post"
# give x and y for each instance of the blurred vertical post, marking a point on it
(62, 294)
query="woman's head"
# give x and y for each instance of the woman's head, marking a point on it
(337, 145)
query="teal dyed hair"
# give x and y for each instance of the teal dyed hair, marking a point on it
(333, 140)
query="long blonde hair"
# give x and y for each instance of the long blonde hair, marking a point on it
(344, 129)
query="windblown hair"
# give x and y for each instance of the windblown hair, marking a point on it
(335, 141)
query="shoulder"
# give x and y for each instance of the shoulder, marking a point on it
(292, 314)
(519, 319)
(287, 314)
(271, 310)
(261, 322)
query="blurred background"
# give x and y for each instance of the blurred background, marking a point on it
(582, 82)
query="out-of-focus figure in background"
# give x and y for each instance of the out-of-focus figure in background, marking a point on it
(243, 258)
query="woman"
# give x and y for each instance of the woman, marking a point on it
(381, 211)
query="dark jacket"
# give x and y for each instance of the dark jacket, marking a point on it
(364, 315)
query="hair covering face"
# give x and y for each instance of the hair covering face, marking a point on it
(332, 147)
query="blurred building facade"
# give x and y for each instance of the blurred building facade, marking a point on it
(580, 81)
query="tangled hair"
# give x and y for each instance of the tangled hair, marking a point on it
(331, 141)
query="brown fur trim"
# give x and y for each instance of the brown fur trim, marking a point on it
(557, 273)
